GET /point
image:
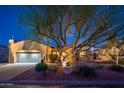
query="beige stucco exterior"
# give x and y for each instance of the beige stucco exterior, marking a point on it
(32, 46)
(27, 46)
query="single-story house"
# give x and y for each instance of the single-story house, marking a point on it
(28, 51)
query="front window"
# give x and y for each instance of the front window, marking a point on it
(56, 53)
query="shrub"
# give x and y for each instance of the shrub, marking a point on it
(68, 64)
(121, 62)
(41, 67)
(97, 66)
(53, 67)
(53, 57)
(74, 63)
(116, 68)
(85, 71)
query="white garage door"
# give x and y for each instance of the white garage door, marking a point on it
(28, 57)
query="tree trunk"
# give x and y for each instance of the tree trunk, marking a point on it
(63, 61)
(117, 60)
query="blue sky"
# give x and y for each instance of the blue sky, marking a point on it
(9, 24)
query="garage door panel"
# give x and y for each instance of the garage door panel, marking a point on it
(28, 57)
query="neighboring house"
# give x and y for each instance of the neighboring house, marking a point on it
(104, 57)
(3, 54)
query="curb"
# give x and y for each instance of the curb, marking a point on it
(67, 83)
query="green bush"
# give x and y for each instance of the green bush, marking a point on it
(53, 57)
(121, 62)
(85, 71)
(53, 67)
(41, 67)
(116, 68)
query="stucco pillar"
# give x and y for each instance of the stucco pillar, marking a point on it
(10, 58)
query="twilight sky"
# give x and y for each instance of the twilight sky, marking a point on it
(9, 24)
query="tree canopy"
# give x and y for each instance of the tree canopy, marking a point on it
(75, 26)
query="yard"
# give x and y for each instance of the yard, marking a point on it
(100, 72)
(85, 75)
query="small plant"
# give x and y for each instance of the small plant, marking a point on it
(53, 67)
(41, 67)
(68, 64)
(116, 68)
(75, 63)
(53, 57)
(85, 71)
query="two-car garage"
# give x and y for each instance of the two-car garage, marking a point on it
(28, 57)
(28, 51)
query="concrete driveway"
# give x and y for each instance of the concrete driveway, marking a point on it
(9, 71)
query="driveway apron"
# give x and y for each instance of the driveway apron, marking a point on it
(9, 71)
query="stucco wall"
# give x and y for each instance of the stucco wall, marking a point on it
(27, 45)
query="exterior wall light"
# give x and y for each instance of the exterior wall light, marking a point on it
(64, 54)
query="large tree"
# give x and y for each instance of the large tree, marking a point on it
(80, 27)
